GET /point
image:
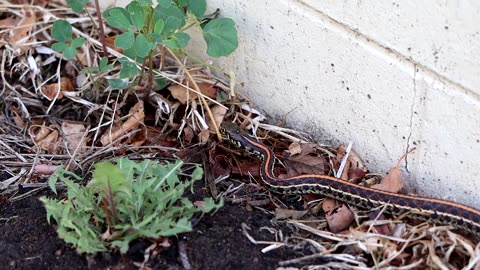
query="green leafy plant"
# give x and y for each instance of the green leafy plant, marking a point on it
(62, 33)
(124, 201)
(165, 24)
(146, 27)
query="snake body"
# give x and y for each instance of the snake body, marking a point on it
(421, 208)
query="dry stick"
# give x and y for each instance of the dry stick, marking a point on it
(100, 27)
(195, 85)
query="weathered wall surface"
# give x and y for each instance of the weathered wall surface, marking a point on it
(387, 75)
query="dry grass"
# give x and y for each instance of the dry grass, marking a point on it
(39, 132)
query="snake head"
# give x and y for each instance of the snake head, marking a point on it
(233, 133)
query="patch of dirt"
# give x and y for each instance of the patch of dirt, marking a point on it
(27, 241)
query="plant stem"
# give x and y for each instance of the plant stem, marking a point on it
(195, 85)
(100, 27)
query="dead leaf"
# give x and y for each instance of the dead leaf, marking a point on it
(329, 204)
(74, 133)
(247, 168)
(44, 169)
(110, 41)
(8, 22)
(208, 90)
(354, 167)
(135, 119)
(383, 228)
(188, 134)
(339, 218)
(307, 161)
(220, 165)
(218, 115)
(17, 117)
(355, 173)
(183, 95)
(282, 213)
(204, 135)
(20, 34)
(39, 132)
(356, 161)
(48, 139)
(50, 90)
(393, 181)
(294, 149)
(346, 170)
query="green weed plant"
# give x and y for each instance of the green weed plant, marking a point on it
(124, 201)
(145, 27)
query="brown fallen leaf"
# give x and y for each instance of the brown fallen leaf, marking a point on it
(220, 165)
(20, 34)
(329, 204)
(218, 114)
(247, 168)
(188, 134)
(354, 167)
(340, 218)
(203, 136)
(181, 94)
(308, 160)
(355, 173)
(50, 91)
(7, 23)
(47, 139)
(74, 133)
(393, 181)
(381, 229)
(294, 149)
(110, 41)
(135, 120)
(44, 169)
(17, 117)
(346, 169)
(184, 95)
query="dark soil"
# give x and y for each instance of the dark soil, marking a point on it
(27, 241)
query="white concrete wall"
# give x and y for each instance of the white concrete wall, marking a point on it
(387, 75)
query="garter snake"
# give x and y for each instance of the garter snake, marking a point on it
(425, 209)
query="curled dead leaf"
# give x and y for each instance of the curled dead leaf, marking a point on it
(17, 117)
(218, 115)
(329, 204)
(204, 135)
(354, 166)
(188, 134)
(44, 169)
(51, 91)
(135, 120)
(184, 95)
(340, 218)
(393, 181)
(294, 148)
(74, 133)
(47, 139)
